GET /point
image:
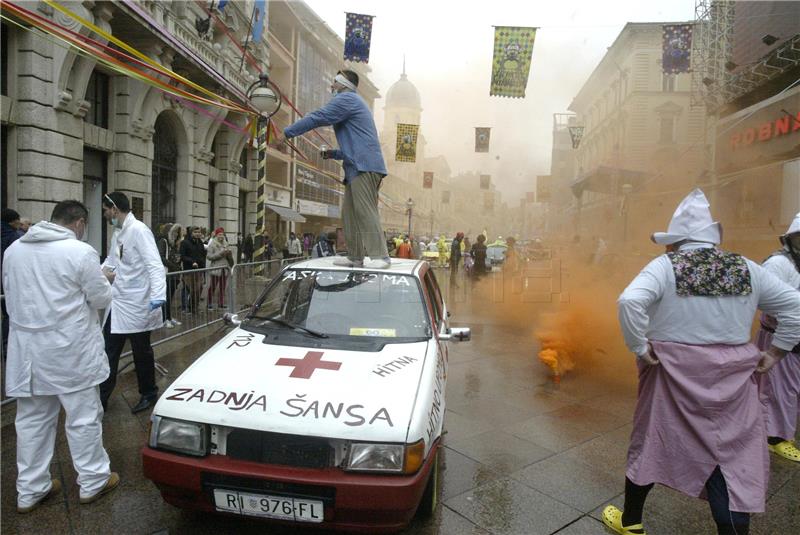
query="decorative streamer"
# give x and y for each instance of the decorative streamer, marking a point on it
(358, 37)
(513, 47)
(482, 135)
(406, 142)
(676, 43)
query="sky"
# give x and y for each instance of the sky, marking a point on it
(448, 49)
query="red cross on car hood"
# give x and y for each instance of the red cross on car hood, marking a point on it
(242, 382)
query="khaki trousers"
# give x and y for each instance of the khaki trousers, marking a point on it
(362, 222)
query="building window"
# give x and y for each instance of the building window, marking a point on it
(667, 130)
(165, 173)
(5, 70)
(243, 163)
(97, 95)
(668, 82)
(95, 174)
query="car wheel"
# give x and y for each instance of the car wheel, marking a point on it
(430, 498)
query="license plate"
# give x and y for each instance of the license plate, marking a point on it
(280, 507)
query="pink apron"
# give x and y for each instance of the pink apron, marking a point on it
(698, 409)
(781, 390)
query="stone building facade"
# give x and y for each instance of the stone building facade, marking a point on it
(72, 128)
(644, 144)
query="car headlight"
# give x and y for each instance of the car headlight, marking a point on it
(179, 436)
(397, 458)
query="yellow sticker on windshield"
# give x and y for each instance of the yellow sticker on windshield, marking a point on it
(361, 331)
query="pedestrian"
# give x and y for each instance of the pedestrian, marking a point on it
(364, 168)
(173, 244)
(416, 247)
(55, 354)
(511, 261)
(698, 427)
(10, 228)
(138, 292)
(322, 248)
(441, 248)
(781, 387)
(308, 241)
(404, 249)
(247, 248)
(219, 256)
(295, 246)
(193, 256)
(455, 258)
(478, 254)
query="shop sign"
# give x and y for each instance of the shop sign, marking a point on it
(770, 134)
(278, 196)
(312, 208)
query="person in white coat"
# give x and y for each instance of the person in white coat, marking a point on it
(781, 388)
(138, 291)
(54, 290)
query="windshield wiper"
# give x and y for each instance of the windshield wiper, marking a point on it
(285, 323)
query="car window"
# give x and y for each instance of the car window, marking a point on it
(343, 303)
(435, 297)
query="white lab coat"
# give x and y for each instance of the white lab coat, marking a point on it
(54, 290)
(650, 309)
(140, 279)
(783, 268)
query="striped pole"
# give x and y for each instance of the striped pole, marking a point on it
(261, 222)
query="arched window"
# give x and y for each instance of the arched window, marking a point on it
(165, 171)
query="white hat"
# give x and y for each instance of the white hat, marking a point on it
(795, 226)
(691, 221)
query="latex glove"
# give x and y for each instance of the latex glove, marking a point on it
(769, 358)
(649, 358)
(154, 305)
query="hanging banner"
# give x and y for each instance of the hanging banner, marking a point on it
(482, 139)
(513, 47)
(259, 19)
(427, 179)
(676, 42)
(485, 181)
(446, 196)
(530, 196)
(406, 142)
(358, 36)
(488, 200)
(576, 133)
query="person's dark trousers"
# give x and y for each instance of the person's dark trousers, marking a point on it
(143, 360)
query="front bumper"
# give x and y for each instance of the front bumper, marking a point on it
(355, 502)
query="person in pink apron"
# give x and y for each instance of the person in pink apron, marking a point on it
(782, 384)
(699, 426)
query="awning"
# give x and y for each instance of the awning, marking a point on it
(286, 213)
(605, 179)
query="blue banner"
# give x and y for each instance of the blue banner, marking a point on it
(358, 37)
(676, 48)
(259, 19)
(221, 4)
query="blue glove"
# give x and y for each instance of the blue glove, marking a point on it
(154, 305)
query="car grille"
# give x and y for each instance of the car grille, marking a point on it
(276, 448)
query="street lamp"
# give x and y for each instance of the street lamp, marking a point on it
(410, 207)
(265, 97)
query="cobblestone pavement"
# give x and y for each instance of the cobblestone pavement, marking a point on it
(522, 455)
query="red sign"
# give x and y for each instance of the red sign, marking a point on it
(765, 131)
(306, 366)
(427, 179)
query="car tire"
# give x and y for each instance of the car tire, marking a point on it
(430, 498)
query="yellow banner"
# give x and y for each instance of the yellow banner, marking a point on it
(406, 142)
(511, 64)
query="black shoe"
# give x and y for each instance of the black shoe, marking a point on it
(144, 403)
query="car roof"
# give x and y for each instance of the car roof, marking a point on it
(398, 265)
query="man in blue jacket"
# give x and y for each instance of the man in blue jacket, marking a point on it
(364, 168)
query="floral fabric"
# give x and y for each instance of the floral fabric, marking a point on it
(710, 272)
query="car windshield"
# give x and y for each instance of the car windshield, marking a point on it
(495, 252)
(345, 303)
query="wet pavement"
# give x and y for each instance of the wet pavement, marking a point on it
(522, 455)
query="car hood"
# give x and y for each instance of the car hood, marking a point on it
(242, 382)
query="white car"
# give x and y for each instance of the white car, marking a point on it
(323, 406)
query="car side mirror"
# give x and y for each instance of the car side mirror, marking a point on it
(231, 320)
(456, 334)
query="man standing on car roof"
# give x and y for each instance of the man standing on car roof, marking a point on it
(364, 168)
